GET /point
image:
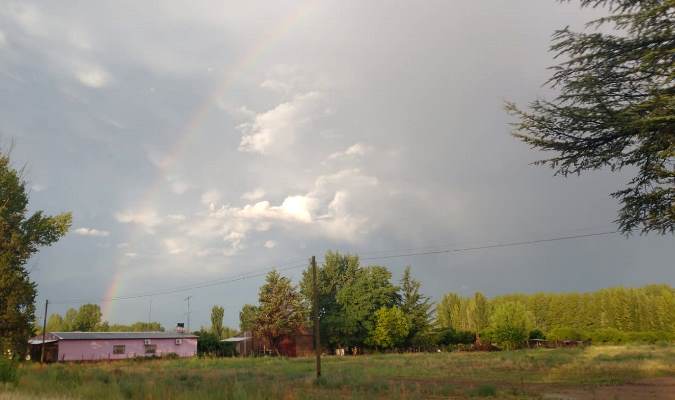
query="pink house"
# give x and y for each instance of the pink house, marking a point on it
(91, 346)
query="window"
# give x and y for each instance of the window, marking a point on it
(150, 348)
(179, 341)
(146, 341)
(118, 349)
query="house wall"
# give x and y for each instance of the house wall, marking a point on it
(76, 350)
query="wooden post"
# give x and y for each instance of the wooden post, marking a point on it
(44, 333)
(317, 339)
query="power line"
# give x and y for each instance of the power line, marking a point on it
(491, 246)
(263, 272)
(180, 288)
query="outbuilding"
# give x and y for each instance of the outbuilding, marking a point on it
(94, 346)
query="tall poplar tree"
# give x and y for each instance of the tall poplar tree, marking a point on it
(21, 235)
(616, 107)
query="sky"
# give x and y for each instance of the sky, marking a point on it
(198, 141)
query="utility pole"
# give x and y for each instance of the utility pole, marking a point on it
(150, 313)
(317, 339)
(44, 333)
(188, 314)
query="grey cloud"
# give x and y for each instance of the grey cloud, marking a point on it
(382, 121)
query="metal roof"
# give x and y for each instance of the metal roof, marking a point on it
(236, 339)
(120, 335)
(39, 341)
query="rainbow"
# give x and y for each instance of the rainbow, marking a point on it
(244, 63)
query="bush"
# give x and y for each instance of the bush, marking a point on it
(8, 371)
(537, 334)
(566, 333)
(608, 336)
(450, 336)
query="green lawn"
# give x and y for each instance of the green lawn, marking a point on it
(517, 374)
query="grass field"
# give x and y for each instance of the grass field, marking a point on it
(591, 373)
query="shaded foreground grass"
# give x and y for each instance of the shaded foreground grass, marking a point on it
(517, 374)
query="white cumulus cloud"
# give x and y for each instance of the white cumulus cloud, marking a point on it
(253, 195)
(91, 232)
(92, 76)
(276, 129)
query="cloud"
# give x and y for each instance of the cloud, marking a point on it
(38, 188)
(174, 246)
(29, 17)
(92, 76)
(131, 255)
(270, 244)
(210, 197)
(122, 245)
(176, 217)
(91, 232)
(355, 150)
(254, 194)
(3, 40)
(328, 210)
(275, 130)
(146, 218)
(179, 187)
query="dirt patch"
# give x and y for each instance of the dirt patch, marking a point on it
(653, 388)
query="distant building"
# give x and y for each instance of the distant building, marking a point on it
(92, 346)
(299, 344)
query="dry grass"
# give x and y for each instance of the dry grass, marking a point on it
(517, 374)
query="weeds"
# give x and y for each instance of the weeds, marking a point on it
(517, 374)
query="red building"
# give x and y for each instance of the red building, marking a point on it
(299, 344)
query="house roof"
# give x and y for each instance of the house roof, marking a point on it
(237, 339)
(120, 335)
(39, 341)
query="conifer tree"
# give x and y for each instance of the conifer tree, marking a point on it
(615, 108)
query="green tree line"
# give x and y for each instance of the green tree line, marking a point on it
(87, 318)
(649, 308)
(361, 307)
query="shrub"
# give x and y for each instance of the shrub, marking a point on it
(608, 336)
(537, 334)
(8, 371)
(450, 336)
(566, 333)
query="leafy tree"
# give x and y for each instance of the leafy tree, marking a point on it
(229, 332)
(281, 311)
(616, 108)
(135, 327)
(451, 312)
(217, 314)
(69, 321)
(414, 305)
(392, 328)
(337, 272)
(208, 344)
(510, 324)
(55, 323)
(247, 317)
(21, 235)
(88, 318)
(478, 312)
(370, 290)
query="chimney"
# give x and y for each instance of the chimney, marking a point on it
(180, 327)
